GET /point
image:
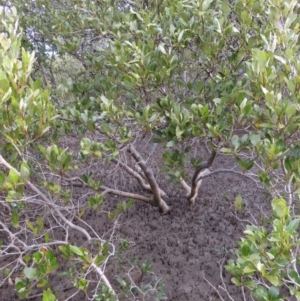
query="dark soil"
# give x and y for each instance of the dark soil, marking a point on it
(185, 245)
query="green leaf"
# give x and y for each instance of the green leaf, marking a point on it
(7, 95)
(15, 219)
(273, 293)
(24, 173)
(21, 287)
(30, 273)
(121, 282)
(250, 283)
(255, 139)
(171, 143)
(4, 82)
(40, 224)
(82, 284)
(249, 269)
(245, 250)
(206, 4)
(245, 165)
(65, 250)
(294, 275)
(42, 283)
(273, 279)
(30, 225)
(279, 207)
(2, 178)
(261, 56)
(290, 111)
(235, 281)
(280, 59)
(99, 259)
(238, 203)
(129, 204)
(180, 35)
(13, 176)
(260, 293)
(226, 150)
(6, 272)
(162, 48)
(76, 250)
(293, 225)
(235, 141)
(260, 267)
(47, 237)
(48, 295)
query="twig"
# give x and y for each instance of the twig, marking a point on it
(127, 194)
(225, 170)
(213, 287)
(113, 191)
(223, 286)
(243, 293)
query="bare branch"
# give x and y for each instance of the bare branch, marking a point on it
(185, 186)
(204, 173)
(223, 286)
(202, 170)
(136, 175)
(48, 202)
(225, 170)
(103, 277)
(213, 287)
(6, 206)
(113, 191)
(157, 200)
(126, 194)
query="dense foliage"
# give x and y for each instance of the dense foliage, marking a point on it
(175, 72)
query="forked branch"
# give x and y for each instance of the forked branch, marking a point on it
(200, 172)
(204, 171)
(157, 200)
(135, 174)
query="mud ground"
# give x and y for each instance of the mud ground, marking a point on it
(186, 246)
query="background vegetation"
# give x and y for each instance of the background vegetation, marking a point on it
(171, 72)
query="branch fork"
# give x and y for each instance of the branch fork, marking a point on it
(149, 175)
(202, 171)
